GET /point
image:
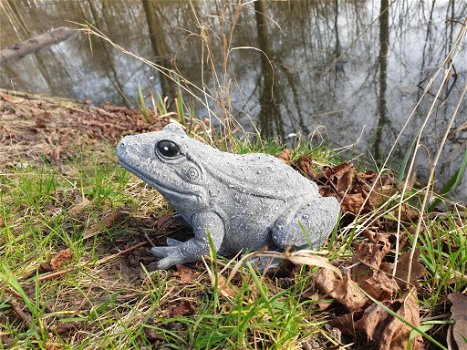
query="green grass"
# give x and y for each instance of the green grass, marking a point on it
(116, 301)
(115, 304)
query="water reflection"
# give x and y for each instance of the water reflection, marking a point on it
(283, 66)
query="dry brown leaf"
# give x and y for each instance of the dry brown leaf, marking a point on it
(305, 165)
(380, 286)
(38, 115)
(322, 305)
(284, 156)
(386, 267)
(2, 223)
(60, 258)
(44, 267)
(327, 191)
(343, 176)
(408, 214)
(372, 254)
(184, 308)
(186, 275)
(457, 332)
(418, 270)
(372, 319)
(352, 202)
(50, 345)
(104, 223)
(380, 193)
(226, 289)
(77, 209)
(345, 323)
(345, 291)
(395, 335)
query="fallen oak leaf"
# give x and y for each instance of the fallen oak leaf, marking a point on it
(185, 308)
(418, 270)
(412, 327)
(380, 286)
(305, 165)
(343, 176)
(368, 257)
(372, 254)
(352, 202)
(343, 290)
(284, 156)
(64, 327)
(186, 275)
(457, 332)
(345, 323)
(396, 334)
(60, 258)
(372, 319)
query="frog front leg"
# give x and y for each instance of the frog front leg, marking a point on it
(192, 250)
(308, 223)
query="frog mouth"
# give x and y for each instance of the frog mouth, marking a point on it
(163, 188)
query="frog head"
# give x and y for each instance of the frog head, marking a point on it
(166, 160)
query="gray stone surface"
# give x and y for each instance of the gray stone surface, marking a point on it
(244, 201)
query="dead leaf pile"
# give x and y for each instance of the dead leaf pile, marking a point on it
(368, 275)
(33, 126)
(350, 187)
(357, 192)
(342, 181)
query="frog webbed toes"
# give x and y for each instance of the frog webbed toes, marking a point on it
(163, 252)
(169, 256)
(173, 242)
(169, 261)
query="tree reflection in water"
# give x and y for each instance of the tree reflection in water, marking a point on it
(341, 65)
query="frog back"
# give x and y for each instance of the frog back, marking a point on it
(258, 174)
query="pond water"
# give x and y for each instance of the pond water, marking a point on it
(351, 72)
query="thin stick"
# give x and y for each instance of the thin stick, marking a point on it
(55, 274)
(120, 253)
(19, 311)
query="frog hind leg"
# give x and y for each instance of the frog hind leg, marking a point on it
(308, 224)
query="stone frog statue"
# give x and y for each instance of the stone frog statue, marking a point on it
(244, 202)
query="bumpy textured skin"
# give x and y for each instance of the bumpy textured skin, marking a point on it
(245, 202)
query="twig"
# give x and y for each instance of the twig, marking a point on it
(15, 305)
(55, 274)
(120, 253)
(36, 43)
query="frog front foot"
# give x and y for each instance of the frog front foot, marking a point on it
(177, 252)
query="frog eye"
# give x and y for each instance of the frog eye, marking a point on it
(168, 148)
